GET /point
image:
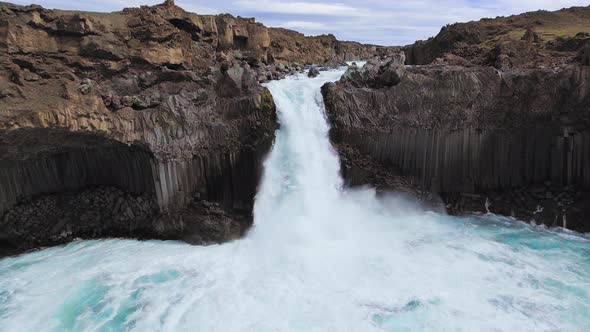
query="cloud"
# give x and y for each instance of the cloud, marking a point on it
(302, 8)
(370, 21)
(190, 6)
(303, 25)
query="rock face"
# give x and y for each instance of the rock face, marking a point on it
(136, 112)
(515, 141)
(491, 116)
(528, 40)
(149, 122)
(290, 47)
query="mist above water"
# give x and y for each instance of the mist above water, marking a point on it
(319, 258)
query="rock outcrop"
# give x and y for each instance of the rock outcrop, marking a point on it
(292, 47)
(149, 122)
(492, 116)
(530, 40)
(313, 72)
(515, 142)
(135, 118)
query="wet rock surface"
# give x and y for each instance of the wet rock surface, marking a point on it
(111, 212)
(313, 72)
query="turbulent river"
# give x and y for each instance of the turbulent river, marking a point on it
(319, 258)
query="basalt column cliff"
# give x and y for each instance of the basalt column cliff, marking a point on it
(149, 122)
(490, 116)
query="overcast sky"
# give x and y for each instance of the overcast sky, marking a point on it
(385, 22)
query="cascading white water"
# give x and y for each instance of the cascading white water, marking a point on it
(319, 258)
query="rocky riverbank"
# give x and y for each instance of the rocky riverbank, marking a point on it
(150, 122)
(508, 136)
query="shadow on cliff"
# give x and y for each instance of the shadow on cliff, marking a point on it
(58, 185)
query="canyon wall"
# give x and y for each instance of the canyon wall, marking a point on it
(148, 122)
(290, 46)
(514, 141)
(490, 115)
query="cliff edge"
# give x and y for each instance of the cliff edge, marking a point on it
(485, 130)
(149, 122)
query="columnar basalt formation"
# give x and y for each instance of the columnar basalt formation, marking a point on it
(491, 115)
(149, 122)
(515, 142)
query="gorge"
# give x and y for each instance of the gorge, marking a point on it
(319, 257)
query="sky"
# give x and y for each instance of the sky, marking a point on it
(382, 22)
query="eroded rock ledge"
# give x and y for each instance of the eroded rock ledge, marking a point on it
(149, 122)
(515, 141)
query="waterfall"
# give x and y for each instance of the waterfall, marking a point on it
(320, 257)
(302, 172)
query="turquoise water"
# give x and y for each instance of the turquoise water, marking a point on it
(319, 258)
(482, 273)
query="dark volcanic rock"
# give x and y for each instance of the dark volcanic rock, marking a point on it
(313, 72)
(492, 117)
(158, 104)
(584, 56)
(375, 75)
(470, 134)
(391, 74)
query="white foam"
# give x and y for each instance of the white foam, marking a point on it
(359, 63)
(318, 259)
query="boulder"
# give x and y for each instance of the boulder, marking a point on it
(313, 72)
(376, 74)
(390, 74)
(531, 36)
